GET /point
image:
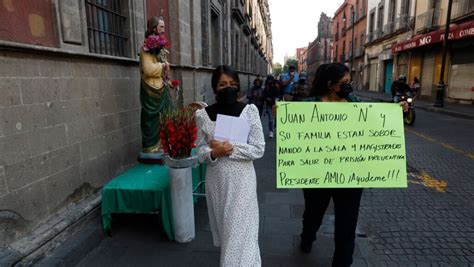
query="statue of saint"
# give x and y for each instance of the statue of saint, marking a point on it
(155, 86)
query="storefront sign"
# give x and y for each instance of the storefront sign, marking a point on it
(460, 31)
(340, 145)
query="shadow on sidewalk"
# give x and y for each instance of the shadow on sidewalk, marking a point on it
(138, 239)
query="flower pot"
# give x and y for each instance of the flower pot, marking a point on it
(182, 204)
(180, 163)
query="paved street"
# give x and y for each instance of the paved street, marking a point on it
(431, 221)
(428, 224)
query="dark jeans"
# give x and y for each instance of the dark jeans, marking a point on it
(346, 211)
(269, 113)
(260, 109)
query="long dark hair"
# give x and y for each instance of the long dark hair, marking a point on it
(270, 81)
(227, 70)
(151, 25)
(325, 74)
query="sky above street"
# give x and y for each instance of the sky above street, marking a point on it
(295, 23)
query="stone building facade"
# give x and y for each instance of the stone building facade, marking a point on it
(301, 58)
(349, 27)
(388, 22)
(303, 61)
(320, 50)
(69, 82)
(421, 55)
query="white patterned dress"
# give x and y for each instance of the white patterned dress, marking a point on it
(231, 191)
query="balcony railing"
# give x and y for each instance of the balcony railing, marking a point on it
(378, 33)
(428, 21)
(389, 28)
(462, 8)
(370, 37)
(404, 22)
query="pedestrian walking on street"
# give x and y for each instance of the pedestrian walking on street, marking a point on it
(270, 94)
(415, 87)
(288, 82)
(302, 89)
(231, 184)
(255, 95)
(332, 84)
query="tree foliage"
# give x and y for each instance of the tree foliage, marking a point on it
(277, 69)
(291, 62)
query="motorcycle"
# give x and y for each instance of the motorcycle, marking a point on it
(410, 115)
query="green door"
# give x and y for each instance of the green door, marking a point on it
(388, 76)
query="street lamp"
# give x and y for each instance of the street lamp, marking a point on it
(441, 85)
(353, 29)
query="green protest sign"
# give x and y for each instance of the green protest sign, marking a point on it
(340, 145)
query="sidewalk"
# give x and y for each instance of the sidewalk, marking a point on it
(138, 240)
(452, 109)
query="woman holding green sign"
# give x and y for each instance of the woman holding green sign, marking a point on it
(333, 84)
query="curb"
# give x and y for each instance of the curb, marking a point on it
(69, 248)
(424, 107)
(447, 112)
(51, 234)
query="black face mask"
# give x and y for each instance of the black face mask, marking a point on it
(227, 95)
(346, 89)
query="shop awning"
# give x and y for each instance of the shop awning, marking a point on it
(458, 31)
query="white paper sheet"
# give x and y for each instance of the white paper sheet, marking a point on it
(233, 129)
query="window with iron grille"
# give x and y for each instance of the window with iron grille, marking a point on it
(105, 27)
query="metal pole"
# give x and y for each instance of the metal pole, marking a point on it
(441, 85)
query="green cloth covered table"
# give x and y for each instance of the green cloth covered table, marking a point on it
(142, 189)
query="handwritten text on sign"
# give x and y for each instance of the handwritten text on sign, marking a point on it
(340, 145)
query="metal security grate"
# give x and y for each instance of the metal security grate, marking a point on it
(105, 27)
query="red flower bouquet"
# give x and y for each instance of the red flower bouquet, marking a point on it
(178, 132)
(155, 42)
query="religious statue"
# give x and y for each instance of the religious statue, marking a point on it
(155, 91)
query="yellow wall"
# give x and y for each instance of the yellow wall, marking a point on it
(415, 66)
(437, 70)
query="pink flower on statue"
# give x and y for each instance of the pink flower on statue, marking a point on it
(154, 43)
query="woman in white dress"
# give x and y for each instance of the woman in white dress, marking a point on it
(231, 186)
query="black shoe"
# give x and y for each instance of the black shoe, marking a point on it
(335, 263)
(306, 246)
